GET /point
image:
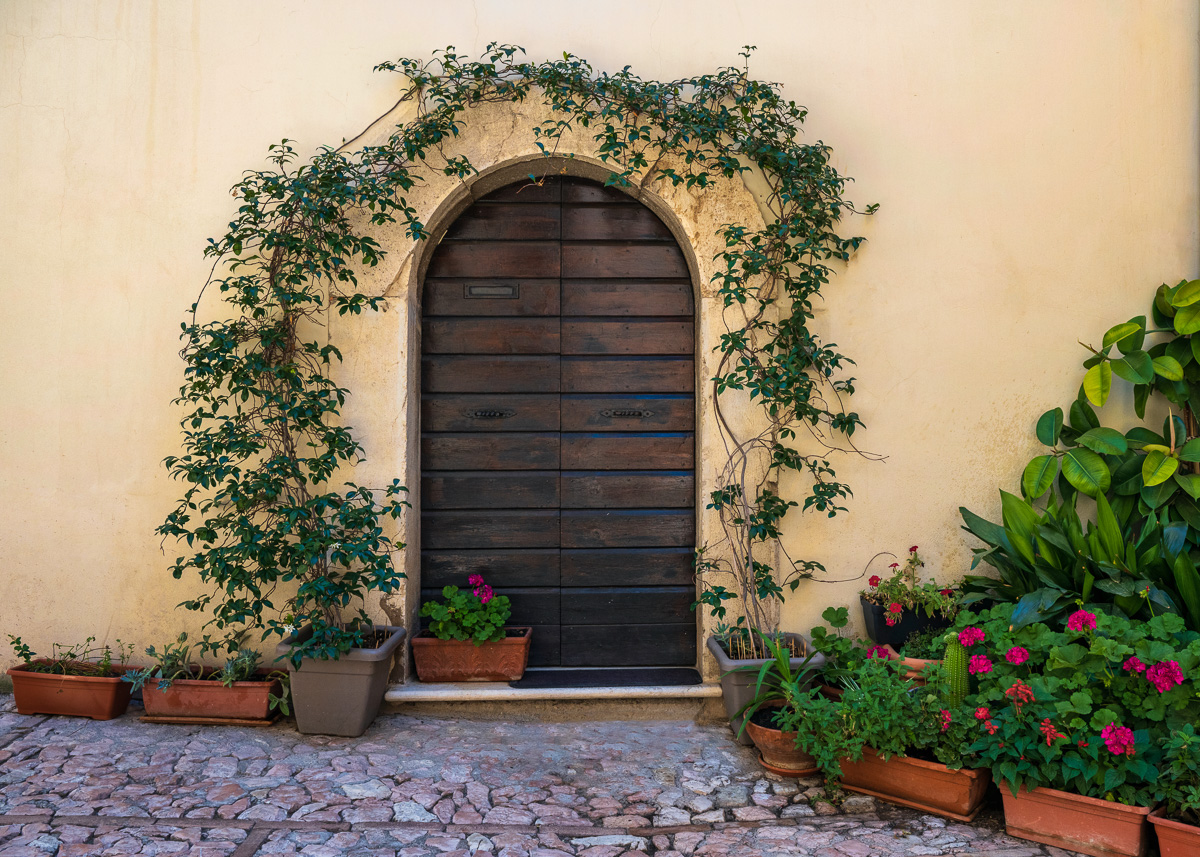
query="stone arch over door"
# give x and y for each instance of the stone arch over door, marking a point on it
(558, 421)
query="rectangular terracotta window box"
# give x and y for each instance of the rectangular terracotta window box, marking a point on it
(923, 785)
(462, 660)
(1175, 839)
(97, 697)
(242, 700)
(1102, 828)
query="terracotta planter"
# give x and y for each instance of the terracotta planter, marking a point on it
(1085, 824)
(340, 697)
(462, 660)
(1175, 839)
(927, 786)
(737, 688)
(71, 695)
(777, 751)
(243, 700)
(914, 668)
(911, 621)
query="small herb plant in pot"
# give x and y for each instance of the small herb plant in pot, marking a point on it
(1177, 820)
(467, 640)
(81, 681)
(901, 605)
(173, 686)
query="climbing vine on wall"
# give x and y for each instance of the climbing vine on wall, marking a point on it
(263, 443)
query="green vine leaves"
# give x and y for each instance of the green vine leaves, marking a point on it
(263, 438)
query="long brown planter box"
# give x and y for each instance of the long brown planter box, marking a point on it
(922, 785)
(100, 698)
(1175, 839)
(1088, 825)
(462, 660)
(242, 700)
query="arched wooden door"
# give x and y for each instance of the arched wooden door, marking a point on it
(557, 421)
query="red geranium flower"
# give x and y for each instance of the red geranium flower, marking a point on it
(895, 607)
(874, 580)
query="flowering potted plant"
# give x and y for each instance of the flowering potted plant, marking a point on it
(175, 687)
(899, 606)
(467, 639)
(1074, 720)
(1177, 821)
(81, 681)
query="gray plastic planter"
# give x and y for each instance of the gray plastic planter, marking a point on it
(738, 687)
(340, 697)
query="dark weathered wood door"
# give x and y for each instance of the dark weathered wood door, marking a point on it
(557, 421)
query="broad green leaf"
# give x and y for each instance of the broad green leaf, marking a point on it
(1103, 440)
(1127, 477)
(1187, 320)
(1187, 582)
(1190, 483)
(1189, 510)
(1021, 521)
(1195, 343)
(1039, 476)
(1134, 342)
(1049, 426)
(1190, 451)
(1141, 394)
(1097, 383)
(1086, 471)
(1135, 367)
(1181, 349)
(1082, 417)
(981, 528)
(1155, 495)
(1139, 436)
(1162, 302)
(1108, 529)
(1158, 467)
(1186, 294)
(1169, 368)
(1118, 332)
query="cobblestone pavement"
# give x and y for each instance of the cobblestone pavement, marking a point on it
(417, 786)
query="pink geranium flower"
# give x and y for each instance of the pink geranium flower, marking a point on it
(1133, 665)
(1164, 676)
(980, 664)
(878, 652)
(1118, 739)
(970, 636)
(1016, 655)
(1081, 619)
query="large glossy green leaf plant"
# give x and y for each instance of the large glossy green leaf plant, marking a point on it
(1140, 554)
(264, 448)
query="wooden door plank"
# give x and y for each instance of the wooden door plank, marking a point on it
(490, 336)
(618, 260)
(491, 297)
(484, 529)
(627, 297)
(612, 222)
(490, 489)
(501, 568)
(496, 451)
(628, 489)
(628, 413)
(530, 606)
(489, 412)
(637, 605)
(628, 375)
(509, 259)
(545, 647)
(580, 190)
(629, 336)
(490, 374)
(544, 189)
(628, 528)
(628, 645)
(508, 221)
(627, 567)
(610, 451)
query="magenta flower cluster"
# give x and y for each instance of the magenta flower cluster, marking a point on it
(480, 589)
(1081, 619)
(1164, 676)
(1016, 655)
(968, 637)
(1118, 739)
(979, 664)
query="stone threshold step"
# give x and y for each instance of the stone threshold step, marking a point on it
(489, 691)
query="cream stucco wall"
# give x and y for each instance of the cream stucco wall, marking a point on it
(1036, 164)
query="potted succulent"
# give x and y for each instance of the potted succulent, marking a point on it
(467, 639)
(1177, 820)
(82, 681)
(175, 687)
(778, 688)
(1074, 720)
(898, 607)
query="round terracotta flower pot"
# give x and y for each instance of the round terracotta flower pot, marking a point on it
(923, 785)
(778, 753)
(1088, 825)
(914, 668)
(1175, 839)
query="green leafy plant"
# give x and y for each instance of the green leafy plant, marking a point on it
(905, 591)
(176, 662)
(1179, 776)
(478, 615)
(1084, 706)
(929, 644)
(82, 660)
